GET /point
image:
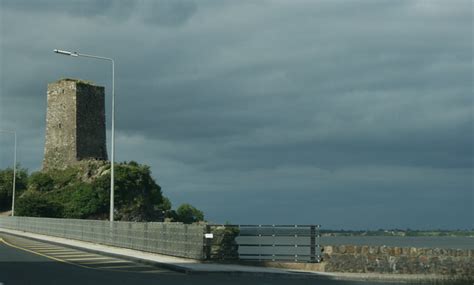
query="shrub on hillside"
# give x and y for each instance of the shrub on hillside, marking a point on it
(6, 186)
(37, 205)
(188, 214)
(41, 181)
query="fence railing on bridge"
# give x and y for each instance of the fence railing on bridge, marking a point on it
(174, 239)
(293, 243)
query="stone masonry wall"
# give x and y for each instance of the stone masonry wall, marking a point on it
(90, 114)
(75, 124)
(406, 260)
(60, 144)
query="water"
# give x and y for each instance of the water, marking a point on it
(285, 248)
(427, 242)
(420, 242)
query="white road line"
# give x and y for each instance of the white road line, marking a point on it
(103, 261)
(90, 258)
(38, 247)
(59, 250)
(124, 266)
(73, 255)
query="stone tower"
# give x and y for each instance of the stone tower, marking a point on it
(75, 123)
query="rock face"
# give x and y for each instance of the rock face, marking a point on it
(223, 245)
(75, 124)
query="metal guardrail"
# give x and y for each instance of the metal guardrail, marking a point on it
(291, 243)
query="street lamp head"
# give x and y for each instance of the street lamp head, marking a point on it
(64, 52)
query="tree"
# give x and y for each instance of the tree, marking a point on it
(137, 196)
(188, 214)
(6, 186)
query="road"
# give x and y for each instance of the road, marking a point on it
(25, 262)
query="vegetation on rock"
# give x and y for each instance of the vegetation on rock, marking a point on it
(187, 214)
(83, 192)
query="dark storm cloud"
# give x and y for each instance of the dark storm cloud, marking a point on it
(169, 12)
(164, 12)
(83, 8)
(363, 107)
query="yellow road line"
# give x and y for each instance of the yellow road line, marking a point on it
(40, 254)
(68, 262)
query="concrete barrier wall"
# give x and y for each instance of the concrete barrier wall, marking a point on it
(406, 260)
(174, 239)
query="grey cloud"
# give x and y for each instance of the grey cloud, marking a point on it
(161, 13)
(83, 8)
(248, 100)
(168, 12)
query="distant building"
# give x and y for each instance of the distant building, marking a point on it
(75, 123)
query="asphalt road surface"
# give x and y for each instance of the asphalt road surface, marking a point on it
(24, 261)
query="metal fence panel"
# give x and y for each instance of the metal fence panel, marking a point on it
(174, 239)
(296, 243)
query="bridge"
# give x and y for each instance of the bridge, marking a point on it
(252, 252)
(166, 251)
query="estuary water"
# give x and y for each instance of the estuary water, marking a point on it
(426, 242)
(255, 247)
(420, 242)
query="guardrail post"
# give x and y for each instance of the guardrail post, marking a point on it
(208, 242)
(318, 244)
(259, 242)
(296, 244)
(312, 253)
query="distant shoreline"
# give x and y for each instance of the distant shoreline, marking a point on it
(401, 233)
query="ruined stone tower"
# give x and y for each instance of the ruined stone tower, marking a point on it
(75, 123)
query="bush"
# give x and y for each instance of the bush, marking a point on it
(188, 214)
(84, 201)
(137, 196)
(41, 182)
(36, 205)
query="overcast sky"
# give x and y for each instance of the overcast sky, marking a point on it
(351, 114)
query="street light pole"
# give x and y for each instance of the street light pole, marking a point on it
(14, 170)
(112, 148)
